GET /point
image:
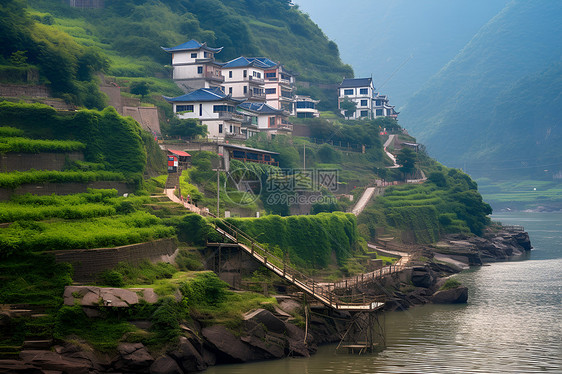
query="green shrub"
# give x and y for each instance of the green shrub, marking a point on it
(205, 289)
(7, 131)
(450, 283)
(111, 278)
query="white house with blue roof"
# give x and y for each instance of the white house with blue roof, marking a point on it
(369, 104)
(244, 79)
(194, 66)
(213, 108)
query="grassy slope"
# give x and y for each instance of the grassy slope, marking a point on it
(242, 28)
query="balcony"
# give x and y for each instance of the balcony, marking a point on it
(213, 76)
(230, 135)
(256, 80)
(230, 116)
(253, 95)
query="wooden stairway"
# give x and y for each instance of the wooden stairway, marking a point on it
(323, 292)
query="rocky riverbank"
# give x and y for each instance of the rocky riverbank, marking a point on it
(262, 335)
(278, 331)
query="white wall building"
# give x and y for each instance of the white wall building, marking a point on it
(369, 104)
(194, 66)
(213, 108)
(244, 79)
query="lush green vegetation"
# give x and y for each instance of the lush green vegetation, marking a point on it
(67, 66)
(96, 219)
(17, 178)
(25, 145)
(124, 151)
(25, 236)
(308, 241)
(131, 33)
(447, 202)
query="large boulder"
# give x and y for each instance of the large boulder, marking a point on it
(267, 319)
(458, 295)
(188, 358)
(133, 357)
(165, 365)
(47, 360)
(267, 348)
(421, 277)
(228, 347)
(18, 367)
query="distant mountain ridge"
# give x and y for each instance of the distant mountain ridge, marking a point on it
(495, 109)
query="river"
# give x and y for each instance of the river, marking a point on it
(511, 324)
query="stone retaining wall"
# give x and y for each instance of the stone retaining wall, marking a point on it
(15, 90)
(38, 161)
(64, 188)
(90, 262)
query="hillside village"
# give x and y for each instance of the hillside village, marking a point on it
(249, 95)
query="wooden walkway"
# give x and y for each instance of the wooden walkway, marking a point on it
(323, 292)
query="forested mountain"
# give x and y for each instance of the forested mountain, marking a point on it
(131, 33)
(495, 109)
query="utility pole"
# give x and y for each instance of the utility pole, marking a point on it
(304, 157)
(218, 169)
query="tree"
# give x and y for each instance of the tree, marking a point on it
(140, 88)
(186, 128)
(349, 107)
(407, 159)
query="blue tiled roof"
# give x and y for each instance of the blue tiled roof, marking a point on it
(264, 60)
(260, 108)
(190, 46)
(356, 82)
(243, 62)
(203, 94)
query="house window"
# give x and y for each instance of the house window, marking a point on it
(207, 54)
(199, 69)
(230, 74)
(220, 128)
(194, 55)
(363, 102)
(378, 103)
(245, 72)
(271, 75)
(364, 91)
(271, 121)
(230, 90)
(184, 108)
(245, 90)
(256, 74)
(222, 108)
(364, 113)
(231, 129)
(348, 91)
(305, 105)
(379, 112)
(270, 91)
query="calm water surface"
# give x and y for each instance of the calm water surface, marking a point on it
(512, 323)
